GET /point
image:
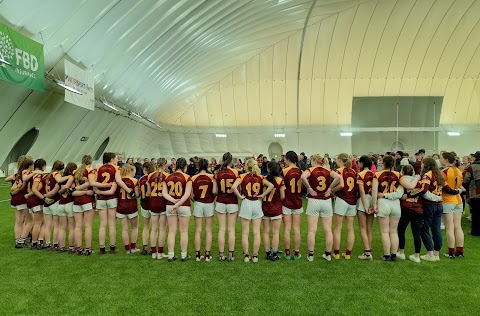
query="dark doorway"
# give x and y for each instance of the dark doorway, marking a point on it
(21, 147)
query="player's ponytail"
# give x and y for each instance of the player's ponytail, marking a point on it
(345, 159)
(26, 163)
(203, 164)
(388, 164)
(226, 160)
(252, 167)
(86, 161)
(161, 163)
(181, 164)
(126, 169)
(429, 164)
(273, 171)
(318, 160)
(57, 166)
(292, 157)
(69, 169)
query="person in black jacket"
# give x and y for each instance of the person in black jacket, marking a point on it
(192, 168)
(138, 169)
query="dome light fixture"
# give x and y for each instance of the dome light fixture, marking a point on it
(64, 86)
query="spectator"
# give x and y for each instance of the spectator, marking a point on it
(471, 182)
(146, 160)
(398, 159)
(138, 169)
(327, 162)
(301, 162)
(172, 166)
(436, 157)
(418, 163)
(192, 169)
(264, 166)
(130, 161)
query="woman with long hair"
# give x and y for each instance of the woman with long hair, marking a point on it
(388, 211)
(158, 220)
(292, 207)
(177, 189)
(452, 204)
(204, 189)
(364, 206)
(148, 168)
(272, 211)
(251, 207)
(66, 217)
(319, 182)
(345, 205)
(433, 181)
(226, 206)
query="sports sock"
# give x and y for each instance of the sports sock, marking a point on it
(348, 253)
(393, 256)
(34, 243)
(160, 249)
(133, 245)
(40, 241)
(113, 247)
(459, 251)
(183, 255)
(127, 247)
(451, 251)
(221, 254)
(336, 251)
(368, 252)
(328, 253)
(145, 247)
(296, 252)
(310, 253)
(153, 249)
(197, 253)
(287, 252)
(55, 244)
(102, 250)
(231, 254)
(207, 253)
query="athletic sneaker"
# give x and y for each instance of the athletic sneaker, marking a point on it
(297, 257)
(128, 252)
(328, 258)
(452, 256)
(223, 258)
(461, 255)
(287, 257)
(134, 250)
(144, 252)
(275, 257)
(385, 258)
(198, 258)
(437, 258)
(230, 258)
(309, 258)
(268, 255)
(154, 255)
(246, 258)
(208, 258)
(414, 258)
(428, 258)
(21, 245)
(186, 258)
(364, 256)
(401, 256)
(88, 252)
(336, 256)
(347, 257)
(171, 259)
(255, 259)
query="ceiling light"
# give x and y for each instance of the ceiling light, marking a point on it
(135, 114)
(279, 135)
(453, 134)
(346, 134)
(111, 106)
(3, 61)
(64, 86)
(154, 123)
(221, 135)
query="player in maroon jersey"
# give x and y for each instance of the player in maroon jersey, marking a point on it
(177, 189)
(19, 192)
(345, 205)
(65, 210)
(127, 209)
(364, 206)
(319, 182)
(84, 203)
(158, 206)
(292, 205)
(251, 184)
(272, 211)
(226, 206)
(148, 168)
(204, 189)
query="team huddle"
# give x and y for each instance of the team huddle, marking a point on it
(48, 205)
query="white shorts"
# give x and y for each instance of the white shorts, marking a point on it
(82, 208)
(251, 209)
(226, 208)
(157, 214)
(342, 208)
(36, 209)
(146, 213)
(452, 208)
(273, 217)
(104, 204)
(181, 211)
(368, 200)
(129, 216)
(20, 207)
(388, 208)
(52, 209)
(319, 207)
(65, 209)
(287, 211)
(203, 209)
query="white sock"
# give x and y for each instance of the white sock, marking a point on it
(171, 255)
(183, 254)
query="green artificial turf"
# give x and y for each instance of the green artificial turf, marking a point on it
(47, 283)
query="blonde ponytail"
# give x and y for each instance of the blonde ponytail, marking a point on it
(252, 167)
(86, 160)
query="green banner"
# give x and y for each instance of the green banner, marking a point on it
(25, 57)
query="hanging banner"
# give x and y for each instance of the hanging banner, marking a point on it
(81, 81)
(25, 57)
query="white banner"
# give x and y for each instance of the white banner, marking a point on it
(82, 81)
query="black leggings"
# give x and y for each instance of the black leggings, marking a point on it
(410, 216)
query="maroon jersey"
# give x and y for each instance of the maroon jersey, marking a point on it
(349, 191)
(293, 188)
(127, 205)
(106, 174)
(157, 202)
(251, 186)
(35, 200)
(319, 181)
(388, 181)
(66, 198)
(19, 198)
(176, 186)
(202, 186)
(225, 179)
(84, 199)
(412, 203)
(430, 183)
(52, 183)
(365, 178)
(144, 199)
(272, 203)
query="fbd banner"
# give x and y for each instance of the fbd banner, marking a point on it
(25, 57)
(82, 81)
